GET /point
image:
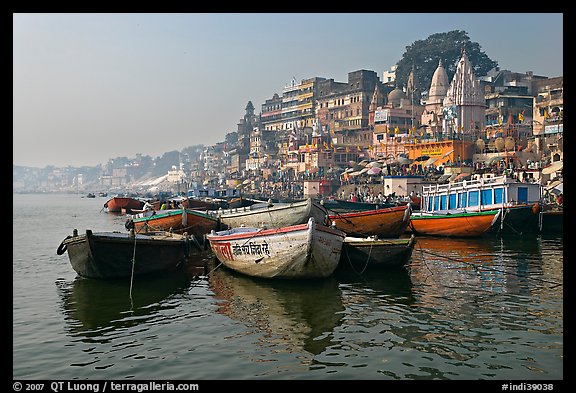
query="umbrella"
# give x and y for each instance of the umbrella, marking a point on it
(554, 167)
(462, 176)
(447, 153)
(430, 161)
(559, 189)
(422, 158)
(374, 164)
(374, 171)
(553, 185)
(404, 160)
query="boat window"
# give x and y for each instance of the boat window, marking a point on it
(486, 197)
(461, 199)
(473, 198)
(452, 201)
(436, 203)
(499, 195)
(523, 194)
(443, 202)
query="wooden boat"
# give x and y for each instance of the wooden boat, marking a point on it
(195, 222)
(242, 202)
(114, 254)
(342, 205)
(366, 253)
(455, 223)
(388, 222)
(117, 204)
(517, 219)
(199, 204)
(518, 201)
(551, 219)
(299, 251)
(273, 215)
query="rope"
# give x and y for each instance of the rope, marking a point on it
(132, 274)
(477, 268)
(352, 266)
(505, 222)
(207, 275)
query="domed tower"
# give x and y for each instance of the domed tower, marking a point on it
(395, 97)
(432, 116)
(464, 104)
(438, 88)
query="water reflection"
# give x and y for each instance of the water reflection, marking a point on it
(298, 314)
(509, 264)
(469, 308)
(394, 285)
(94, 309)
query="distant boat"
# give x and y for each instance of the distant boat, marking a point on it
(389, 222)
(273, 215)
(90, 195)
(117, 204)
(303, 251)
(455, 223)
(362, 254)
(106, 255)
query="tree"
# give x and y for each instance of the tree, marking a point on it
(231, 138)
(424, 55)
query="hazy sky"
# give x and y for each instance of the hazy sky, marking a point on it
(90, 87)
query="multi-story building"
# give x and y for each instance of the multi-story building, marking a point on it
(271, 114)
(509, 97)
(343, 109)
(297, 106)
(548, 118)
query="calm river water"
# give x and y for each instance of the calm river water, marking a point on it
(482, 309)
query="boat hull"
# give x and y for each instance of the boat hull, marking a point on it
(518, 220)
(274, 216)
(343, 206)
(361, 254)
(303, 251)
(470, 224)
(384, 223)
(116, 204)
(193, 222)
(110, 254)
(552, 221)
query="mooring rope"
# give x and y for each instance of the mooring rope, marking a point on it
(132, 274)
(478, 268)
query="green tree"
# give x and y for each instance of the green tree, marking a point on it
(231, 139)
(424, 55)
